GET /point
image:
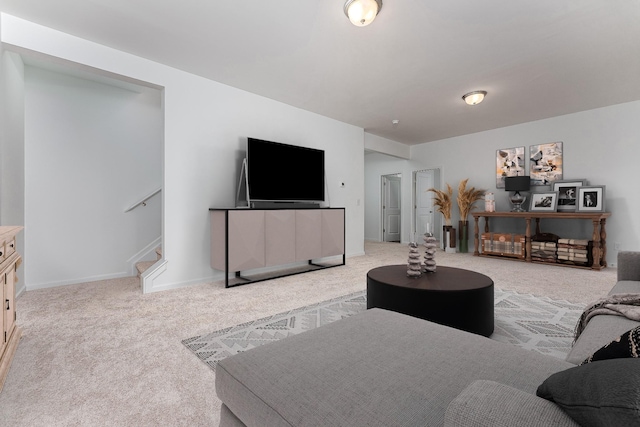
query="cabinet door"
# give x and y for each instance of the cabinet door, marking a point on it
(332, 232)
(308, 234)
(246, 240)
(3, 329)
(9, 300)
(280, 237)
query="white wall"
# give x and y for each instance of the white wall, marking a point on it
(12, 147)
(205, 125)
(599, 145)
(91, 150)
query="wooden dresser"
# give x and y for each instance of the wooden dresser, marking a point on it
(9, 262)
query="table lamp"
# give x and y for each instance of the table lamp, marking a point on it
(517, 184)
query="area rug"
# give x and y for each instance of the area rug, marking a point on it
(527, 321)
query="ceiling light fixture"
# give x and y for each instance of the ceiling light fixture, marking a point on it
(474, 98)
(362, 12)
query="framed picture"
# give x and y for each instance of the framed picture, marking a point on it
(590, 199)
(509, 162)
(568, 193)
(545, 163)
(544, 201)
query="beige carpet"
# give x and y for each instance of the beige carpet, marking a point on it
(103, 354)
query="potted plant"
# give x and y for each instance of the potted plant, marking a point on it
(443, 201)
(467, 197)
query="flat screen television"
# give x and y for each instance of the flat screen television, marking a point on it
(279, 172)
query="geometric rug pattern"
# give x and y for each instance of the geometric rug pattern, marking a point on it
(533, 323)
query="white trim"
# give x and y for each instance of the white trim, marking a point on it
(46, 285)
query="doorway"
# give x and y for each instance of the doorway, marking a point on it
(424, 214)
(391, 207)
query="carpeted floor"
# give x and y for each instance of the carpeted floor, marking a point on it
(103, 354)
(533, 323)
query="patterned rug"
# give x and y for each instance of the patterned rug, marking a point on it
(533, 323)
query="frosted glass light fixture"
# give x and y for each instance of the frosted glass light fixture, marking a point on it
(362, 12)
(474, 98)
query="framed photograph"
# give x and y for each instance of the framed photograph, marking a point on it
(545, 163)
(590, 199)
(509, 162)
(568, 193)
(544, 201)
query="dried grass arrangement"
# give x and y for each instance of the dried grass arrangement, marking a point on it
(466, 198)
(443, 202)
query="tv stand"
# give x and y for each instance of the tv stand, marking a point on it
(301, 240)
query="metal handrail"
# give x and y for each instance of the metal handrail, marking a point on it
(143, 202)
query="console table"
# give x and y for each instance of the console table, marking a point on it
(599, 236)
(247, 239)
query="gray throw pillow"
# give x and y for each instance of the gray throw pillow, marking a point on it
(603, 393)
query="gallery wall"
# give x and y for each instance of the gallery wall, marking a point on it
(599, 146)
(205, 128)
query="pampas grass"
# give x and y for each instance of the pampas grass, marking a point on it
(466, 199)
(443, 202)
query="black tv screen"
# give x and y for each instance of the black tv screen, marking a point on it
(283, 172)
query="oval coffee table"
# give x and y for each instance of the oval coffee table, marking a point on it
(459, 298)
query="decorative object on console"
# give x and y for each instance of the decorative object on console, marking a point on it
(590, 199)
(489, 202)
(414, 267)
(545, 201)
(517, 184)
(467, 197)
(575, 252)
(362, 12)
(568, 193)
(503, 244)
(545, 163)
(509, 162)
(430, 252)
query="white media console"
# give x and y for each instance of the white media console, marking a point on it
(246, 239)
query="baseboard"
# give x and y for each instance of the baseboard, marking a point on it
(76, 281)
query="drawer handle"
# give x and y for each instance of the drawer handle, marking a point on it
(12, 245)
(8, 308)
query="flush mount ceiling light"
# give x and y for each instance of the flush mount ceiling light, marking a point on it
(474, 98)
(362, 12)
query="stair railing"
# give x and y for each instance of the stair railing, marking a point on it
(143, 201)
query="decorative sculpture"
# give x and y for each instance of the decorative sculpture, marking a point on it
(414, 267)
(430, 252)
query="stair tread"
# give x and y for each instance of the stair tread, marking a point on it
(143, 266)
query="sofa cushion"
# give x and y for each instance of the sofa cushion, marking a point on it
(603, 393)
(599, 331)
(376, 368)
(626, 345)
(491, 404)
(626, 287)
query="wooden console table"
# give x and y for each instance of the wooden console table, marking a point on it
(599, 250)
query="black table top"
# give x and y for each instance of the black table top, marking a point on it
(443, 279)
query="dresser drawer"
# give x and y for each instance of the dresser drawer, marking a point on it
(9, 247)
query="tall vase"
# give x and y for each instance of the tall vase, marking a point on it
(445, 233)
(463, 235)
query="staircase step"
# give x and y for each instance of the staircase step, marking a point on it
(159, 252)
(143, 266)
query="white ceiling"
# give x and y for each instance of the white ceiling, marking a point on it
(537, 59)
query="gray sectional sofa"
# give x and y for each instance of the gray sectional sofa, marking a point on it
(381, 368)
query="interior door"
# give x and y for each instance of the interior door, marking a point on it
(391, 207)
(424, 211)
